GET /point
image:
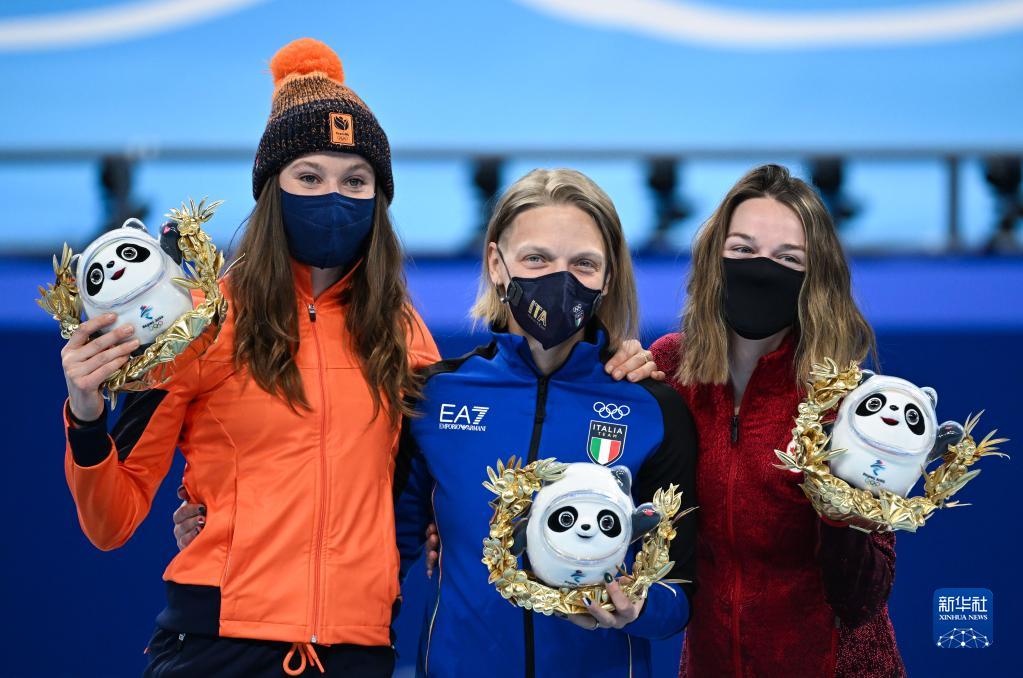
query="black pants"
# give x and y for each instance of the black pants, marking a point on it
(197, 656)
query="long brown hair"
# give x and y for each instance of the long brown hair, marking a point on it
(379, 316)
(830, 323)
(619, 309)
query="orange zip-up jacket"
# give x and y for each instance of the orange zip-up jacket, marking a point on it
(299, 543)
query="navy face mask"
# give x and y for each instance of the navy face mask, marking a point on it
(326, 230)
(550, 308)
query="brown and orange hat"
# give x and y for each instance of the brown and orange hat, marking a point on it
(314, 111)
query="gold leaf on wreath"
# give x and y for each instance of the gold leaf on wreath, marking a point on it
(515, 486)
(835, 499)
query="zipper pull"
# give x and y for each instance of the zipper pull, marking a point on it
(735, 428)
(312, 313)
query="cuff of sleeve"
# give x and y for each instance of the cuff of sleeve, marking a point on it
(88, 441)
(833, 523)
(665, 613)
(841, 543)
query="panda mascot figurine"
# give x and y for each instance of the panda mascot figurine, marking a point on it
(579, 527)
(128, 272)
(889, 431)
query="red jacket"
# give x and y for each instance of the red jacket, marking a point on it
(781, 593)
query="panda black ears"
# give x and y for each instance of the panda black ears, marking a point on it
(949, 433)
(867, 374)
(169, 236)
(644, 519)
(623, 475)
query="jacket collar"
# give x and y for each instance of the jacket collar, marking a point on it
(588, 354)
(775, 371)
(302, 275)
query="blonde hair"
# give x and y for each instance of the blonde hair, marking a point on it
(547, 187)
(830, 323)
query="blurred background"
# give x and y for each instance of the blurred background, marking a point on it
(905, 114)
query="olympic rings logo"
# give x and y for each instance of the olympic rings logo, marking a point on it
(611, 411)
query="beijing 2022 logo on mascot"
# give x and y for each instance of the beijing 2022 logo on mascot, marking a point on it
(126, 266)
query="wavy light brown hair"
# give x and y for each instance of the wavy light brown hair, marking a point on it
(619, 309)
(379, 317)
(830, 323)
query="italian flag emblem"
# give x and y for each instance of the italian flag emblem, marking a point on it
(606, 442)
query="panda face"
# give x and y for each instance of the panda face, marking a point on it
(120, 268)
(585, 527)
(895, 419)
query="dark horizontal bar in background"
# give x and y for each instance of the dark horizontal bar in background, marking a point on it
(947, 294)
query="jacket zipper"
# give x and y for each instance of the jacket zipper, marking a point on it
(737, 580)
(538, 416)
(730, 513)
(323, 477)
(534, 448)
(440, 580)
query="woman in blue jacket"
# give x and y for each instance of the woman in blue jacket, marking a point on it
(559, 295)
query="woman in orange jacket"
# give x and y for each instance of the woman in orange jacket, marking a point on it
(288, 423)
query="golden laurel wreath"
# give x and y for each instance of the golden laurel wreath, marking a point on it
(835, 499)
(515, 486)
(185, 338)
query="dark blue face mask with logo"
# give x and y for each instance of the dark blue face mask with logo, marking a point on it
(552, 307)
(326, 230)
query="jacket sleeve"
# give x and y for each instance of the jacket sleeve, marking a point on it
(422, 349)
(668, 604)
(413, 485)
(413, 509)
(858, 571)
(667, 352)
(113, 476)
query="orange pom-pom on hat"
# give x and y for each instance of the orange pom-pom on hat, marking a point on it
(305, 56)
(314, 111)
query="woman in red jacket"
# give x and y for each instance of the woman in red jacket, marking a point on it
(782, 592)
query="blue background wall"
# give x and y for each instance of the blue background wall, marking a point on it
(74, 611)
(512, 75)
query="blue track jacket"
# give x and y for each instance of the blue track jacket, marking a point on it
(491, 404)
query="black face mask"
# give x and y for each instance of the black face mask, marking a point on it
(550, 308)
(761, 296)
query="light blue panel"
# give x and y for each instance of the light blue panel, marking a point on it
(434, 206)
(977, 209)
(902, 203)
(165, 185)
(46, 205)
